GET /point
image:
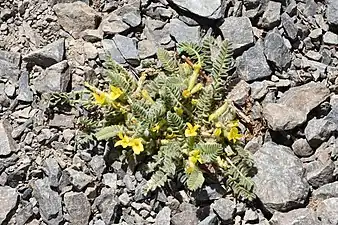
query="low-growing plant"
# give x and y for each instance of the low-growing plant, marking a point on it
(177, 116)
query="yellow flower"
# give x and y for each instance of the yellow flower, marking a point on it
(136, 145)
(194, 157)
(190, 167)
(156, 128)
(100, 97)
(194, 101)
(233, 135)
(217, 132)
(146, 96)
(178, 110)
(115, 93)
(186, 93)
(124, 142)
(233, 123)
(191, 130)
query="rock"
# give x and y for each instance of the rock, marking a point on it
(130, 13)
(108, 206)
(146, 49)
(302, 148)
(321, 170)
(332, 12)
(184, 218)
(24, 214)
(252, 64)
(78, 207)
(98, 165)
(25, 93)
(76, 17)
(209, 220)
(240, 93)
(313, 55)
(79, 179)
(316, 33)
(326, 191)
(48, 55)
(250, 216)
(238, 30)
(9, 70)
(90, 51)
(124, 199)
(7, 143)
(271, 15)
(225, 209)
(110, 180)
(110, 49)
(318, 131)
(8, 198)
(50, 206)
(330, 38)
(163, 216)
(62, 121)
(276, 51)
(113, 24)
(11, 57)
(280, 183)
(129, 182)
(54, 79)
(304, 216)
(127, 48)
(289, 26)
(53, 171)
(211, 10)
(92, 35)
(209, 193)
(190, 34)
(327, 211)
(292, 108)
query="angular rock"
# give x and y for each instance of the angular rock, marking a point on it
(92, 35)
(332, 12)
(225, 209)
(276, 51)
(124, 199)
(289, 26)
(238, 30)
(327, 211)
(252, 64)
(78, 207)
(9, 70)
(79, 179)
(209, 220)
(184, 218)
(24, 214)
(108, 205)
(127, 48)
(76, 17)
(280, 182)
(25, 93)
(146, 49)
(53, 171)
(318, 131)
(110, 49)
(54, 79)
(209, 193)
(271, 15)
(304, 216)
(302, 148)
(98, 165)
(48, 55)
(208, 9)
(240, 93)
(163, 216)
(50, 206)
(292, 108)
(330, 38)
(190, 34)
(11, 57)
(130, 13)
(7, 143)
(113, 24)
(62, 121)
(8, 198)
(326, 191)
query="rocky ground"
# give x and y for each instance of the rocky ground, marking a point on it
(286, 56)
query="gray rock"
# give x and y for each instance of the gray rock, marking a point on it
(280, 182)
(302, 148)
(108, 206)
(330, 38)
(110, 180)
(292, 108)
(321, 170)
(210, 9)
(79, 179)
(9, 70)
(11, 57)
(10, 90)
(327, 211)
(225, 209)
(260, 88)
(128, 181)
(78, 207)
(62, 121)
(163, 216)
(304, 216)
(313, 55)
(76, 17)
(252, 64)
(240, 93)
(25, 93)
(289, 26)
(48, 55)
(318, 131)
(50, 206)
(98, 165)
(276, 50)
(316, 33)
(8, 199)
(113, 24)
(271, 15)
(124, 199)
(332, 12)
(184, 218)
(209, 193)
(54, 79)
(110, 49)
(157, 32)
(209, 220)
(90, 35)
(250, 216)
(127, 48)
(7, 142)
(326, 191)
(146, 49)
(238, 30)
(53, 171)
(130, 13)
(310, 8)
(24, 214)
(190, 34)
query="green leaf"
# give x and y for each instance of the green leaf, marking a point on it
(195, 180)
(169, 62)
(109, 132)
(209, 151)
